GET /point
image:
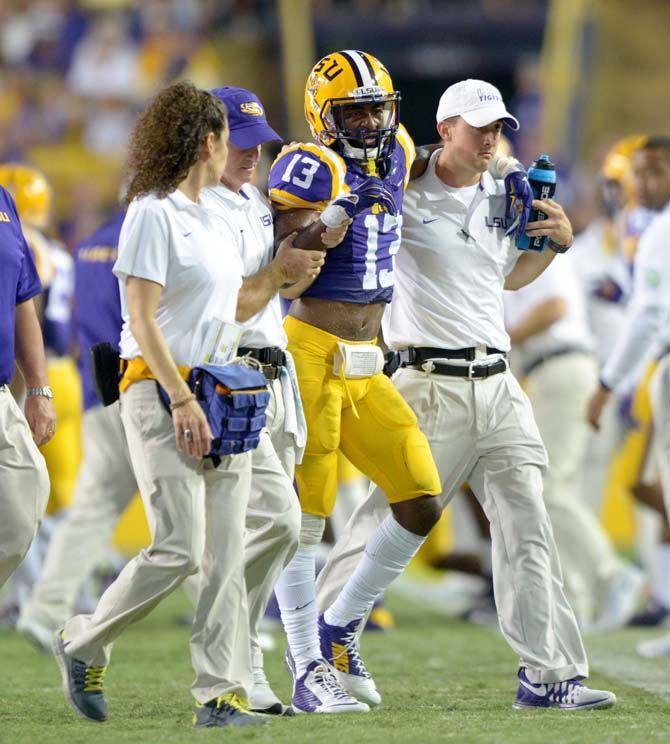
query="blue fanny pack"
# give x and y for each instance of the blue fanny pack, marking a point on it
(234, 399)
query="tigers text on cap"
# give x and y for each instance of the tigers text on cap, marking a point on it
(477, 102)
(246, 117)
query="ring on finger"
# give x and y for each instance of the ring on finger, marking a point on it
(188, 435)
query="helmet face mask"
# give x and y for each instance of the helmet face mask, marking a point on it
(338, 85)
(363, 143)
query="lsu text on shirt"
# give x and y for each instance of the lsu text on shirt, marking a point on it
(451, 268)
(247, 217)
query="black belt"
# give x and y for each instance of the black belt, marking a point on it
(417, 355)
(562, 351)
(271, 357)
(472, 371)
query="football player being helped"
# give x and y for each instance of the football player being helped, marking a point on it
(352, 181)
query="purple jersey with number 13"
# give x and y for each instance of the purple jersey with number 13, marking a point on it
(360, 269)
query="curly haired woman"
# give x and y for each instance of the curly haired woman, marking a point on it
(176, 279)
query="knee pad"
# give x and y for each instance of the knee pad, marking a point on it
(311, 530)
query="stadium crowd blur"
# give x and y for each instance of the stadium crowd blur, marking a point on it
(74, 74)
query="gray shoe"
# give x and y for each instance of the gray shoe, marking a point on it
(227, 710)
(82, 684)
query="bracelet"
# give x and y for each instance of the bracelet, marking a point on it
(182, 402)
(557, 248)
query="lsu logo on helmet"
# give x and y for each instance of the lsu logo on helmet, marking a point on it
(347, 79)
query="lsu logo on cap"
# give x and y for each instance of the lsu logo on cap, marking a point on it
(252, 108)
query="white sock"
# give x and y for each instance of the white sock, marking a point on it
(296, 596)
(661, 574)
(389, 550)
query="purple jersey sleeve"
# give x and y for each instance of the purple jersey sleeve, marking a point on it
(303, 177)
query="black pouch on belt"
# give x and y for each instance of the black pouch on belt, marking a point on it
(105, 372)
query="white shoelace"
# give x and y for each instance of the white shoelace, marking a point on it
(323, 675)
(351, 648)
(565, 692)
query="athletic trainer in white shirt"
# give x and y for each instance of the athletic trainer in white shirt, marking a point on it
(178, 279)
(446, 320)
(273, 512)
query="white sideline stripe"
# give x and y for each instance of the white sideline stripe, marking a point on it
(621, 662)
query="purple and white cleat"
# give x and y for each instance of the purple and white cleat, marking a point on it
(570, 694)
(340, 648)
(318, 691)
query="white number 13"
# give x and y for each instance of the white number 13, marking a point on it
(306, 175)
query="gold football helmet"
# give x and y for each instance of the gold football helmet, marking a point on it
(340, 82)
(31, 192)
(616, 165)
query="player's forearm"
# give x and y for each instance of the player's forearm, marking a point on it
(529, 266)
(310, 238)
(30, 355)
(295, 290)
(257, 290)
(541, 317)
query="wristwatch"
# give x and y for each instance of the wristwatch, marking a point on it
(45, 392)
(557, 248)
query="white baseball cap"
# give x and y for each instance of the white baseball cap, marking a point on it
(476, 101)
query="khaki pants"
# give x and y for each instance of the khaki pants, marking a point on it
(559, 390)
(483, 431)
(659, 396)
(273, 515)
(196, 518)
(105, 486)
(24, 485)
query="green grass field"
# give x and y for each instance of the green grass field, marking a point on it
(442, 680)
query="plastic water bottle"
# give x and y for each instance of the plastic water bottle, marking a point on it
(542, 179)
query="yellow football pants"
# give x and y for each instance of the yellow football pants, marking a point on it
(63, 452)
(383, 441)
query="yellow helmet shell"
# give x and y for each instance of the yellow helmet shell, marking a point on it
(31, 192)
(342, 76)
(617, 163)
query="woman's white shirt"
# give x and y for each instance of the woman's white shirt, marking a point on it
(178, 244)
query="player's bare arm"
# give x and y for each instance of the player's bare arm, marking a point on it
(289, 267)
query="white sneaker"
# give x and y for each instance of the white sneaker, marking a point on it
(657, 648)
(263, 700)
(318, 691)
(36, 633)
(570, 694)
(340, 648)
(621, 599)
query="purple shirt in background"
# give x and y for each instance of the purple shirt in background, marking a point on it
(18, 280)
(97, 304)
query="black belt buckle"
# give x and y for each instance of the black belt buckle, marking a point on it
(271, 371)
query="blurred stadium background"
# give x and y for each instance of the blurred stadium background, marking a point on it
(578, 73)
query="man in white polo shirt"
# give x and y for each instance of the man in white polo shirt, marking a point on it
(273, 512)
(546, 321)
(446, 323)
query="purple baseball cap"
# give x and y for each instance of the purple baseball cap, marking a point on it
(246, 117)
